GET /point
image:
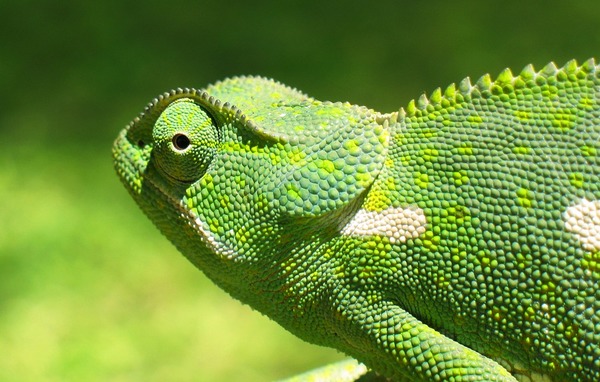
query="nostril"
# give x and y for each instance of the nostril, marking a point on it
(141, 144)
(181, 141)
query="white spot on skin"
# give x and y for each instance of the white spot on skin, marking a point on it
(398, 224)
(583, 220)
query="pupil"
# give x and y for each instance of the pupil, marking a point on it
(181, 141)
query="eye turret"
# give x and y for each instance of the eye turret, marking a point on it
(185, 140)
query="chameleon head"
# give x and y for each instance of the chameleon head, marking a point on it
(162, 156)
(237, 186)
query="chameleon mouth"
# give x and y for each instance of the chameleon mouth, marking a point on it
(135, 173)
(180, 210)
(129, 169)
(143, 179)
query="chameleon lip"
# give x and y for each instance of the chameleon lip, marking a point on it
(191, 219)
(128, 170)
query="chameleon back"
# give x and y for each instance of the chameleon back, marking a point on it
(506, 175)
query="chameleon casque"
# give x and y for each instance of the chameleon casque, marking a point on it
(455, 239)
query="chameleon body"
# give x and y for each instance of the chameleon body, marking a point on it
(455, 239)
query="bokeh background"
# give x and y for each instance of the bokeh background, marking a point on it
(89, 290)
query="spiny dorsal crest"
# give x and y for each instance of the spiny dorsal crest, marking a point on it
(505, 82)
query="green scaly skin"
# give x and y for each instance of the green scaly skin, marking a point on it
(456, 239)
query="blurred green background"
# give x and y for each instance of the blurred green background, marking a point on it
(89, 290)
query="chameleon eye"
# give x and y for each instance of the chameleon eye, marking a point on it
(181, 142)
(185, 140)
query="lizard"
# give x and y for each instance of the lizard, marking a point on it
(454, 239)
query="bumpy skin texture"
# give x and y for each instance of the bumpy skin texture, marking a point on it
(455, 239)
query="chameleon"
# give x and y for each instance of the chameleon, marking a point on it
(454, 239)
